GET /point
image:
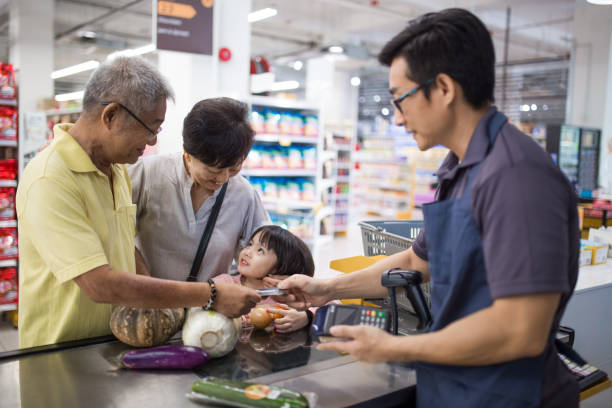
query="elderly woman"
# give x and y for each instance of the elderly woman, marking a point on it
(175, 194)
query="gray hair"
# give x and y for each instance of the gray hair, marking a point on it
(131, 81)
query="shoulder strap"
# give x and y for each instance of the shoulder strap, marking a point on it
(210, 225)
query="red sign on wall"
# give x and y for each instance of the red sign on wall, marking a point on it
(185, 25)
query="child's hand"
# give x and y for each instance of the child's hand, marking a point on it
(291, 319)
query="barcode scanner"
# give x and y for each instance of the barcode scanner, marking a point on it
(411, 281)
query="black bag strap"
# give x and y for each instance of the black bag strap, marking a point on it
(210, 225)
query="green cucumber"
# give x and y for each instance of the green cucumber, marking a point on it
(249, 394)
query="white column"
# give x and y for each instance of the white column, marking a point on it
(196, 77)
(31, 53)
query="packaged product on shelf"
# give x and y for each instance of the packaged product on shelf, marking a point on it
(283, 190)
(267, 159)
(7, 203)
(310, 158)
(308, 191)
(8, 123)
(271, 119)
(254, 159)
(8, 243)
(8, 169)
(8, 285)
(295, 160)
(297, 125)
(257, 122)
(285, 123)
(311, 126)
(281, 158)
(7, 82)
(294, 190)
(270, 190)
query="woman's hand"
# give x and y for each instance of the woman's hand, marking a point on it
(291, 319)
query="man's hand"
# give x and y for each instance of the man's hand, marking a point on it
(234, 300)
(366, 343)
(304, 291)
(292, 319)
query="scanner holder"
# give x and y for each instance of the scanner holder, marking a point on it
(411, 281)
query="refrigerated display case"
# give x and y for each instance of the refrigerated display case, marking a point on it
(577, 150)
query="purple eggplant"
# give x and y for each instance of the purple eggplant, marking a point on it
(172, 357)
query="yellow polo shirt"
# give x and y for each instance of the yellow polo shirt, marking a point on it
(69, 224)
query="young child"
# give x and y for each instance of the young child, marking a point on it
(273, 250)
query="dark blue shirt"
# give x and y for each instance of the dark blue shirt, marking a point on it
(525, 209)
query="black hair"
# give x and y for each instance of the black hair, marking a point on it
(217, 132)
(292, 254)
(454, 42)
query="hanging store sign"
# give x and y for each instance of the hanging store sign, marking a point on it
(185, 26)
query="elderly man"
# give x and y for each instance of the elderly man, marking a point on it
(77, 220)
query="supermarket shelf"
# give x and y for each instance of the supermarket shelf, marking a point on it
(343, 165)
(9, 143)
(8, 224)
(278, 173)
(8, 307)
(8, 102)
(8, 183)
(341, 211)
(342, 196)
(342, 148)
(289, 205)
(60, 112)
(7, 263)
(286, 140)
(343, 179)
(280, 103)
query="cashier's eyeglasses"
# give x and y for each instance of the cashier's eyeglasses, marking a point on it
(132, 114)
(398, 101)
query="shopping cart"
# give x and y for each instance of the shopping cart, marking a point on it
(391, 237)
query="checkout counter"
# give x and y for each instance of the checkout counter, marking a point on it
(82, 373)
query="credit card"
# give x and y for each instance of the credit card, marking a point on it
(271, 292)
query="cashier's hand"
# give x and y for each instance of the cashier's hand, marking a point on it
(366, 343)
(234, 300)
(304, 291)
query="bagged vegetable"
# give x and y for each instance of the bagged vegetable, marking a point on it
(245, 394)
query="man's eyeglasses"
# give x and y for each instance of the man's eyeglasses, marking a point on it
(398, 101)
(132, 114)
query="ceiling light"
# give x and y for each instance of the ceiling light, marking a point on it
(71, 96)
(336, 49)
(284, 85)
(600, 2)
(384, 111)
(75, 69)
(261, 14)
(297, 65)
(534, 107)
(355, 81)
(376, 98)
(131, 52)
(90, 35)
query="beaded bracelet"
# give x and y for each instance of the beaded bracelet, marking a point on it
(213, 293)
